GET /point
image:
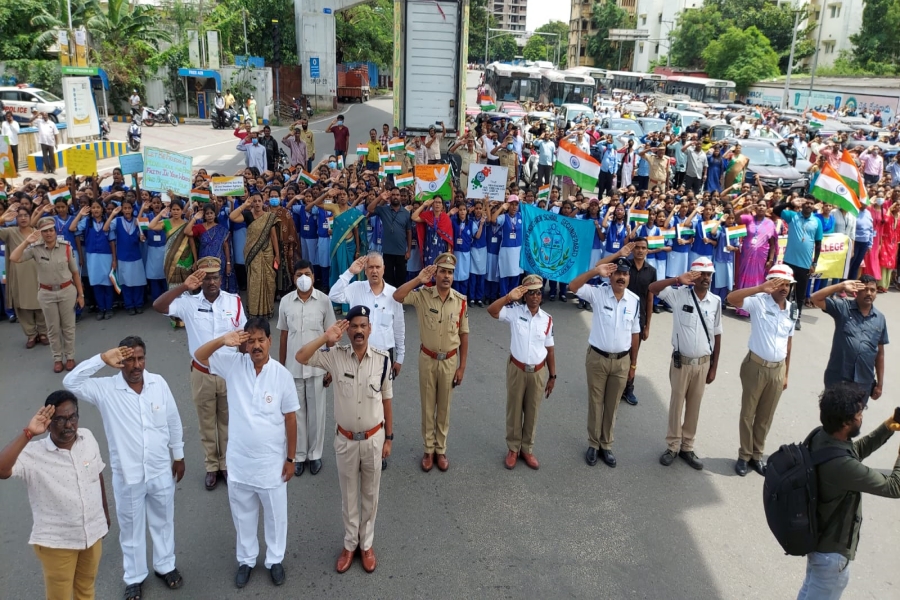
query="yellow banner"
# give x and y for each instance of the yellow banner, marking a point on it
(81, 161)
(832, 260)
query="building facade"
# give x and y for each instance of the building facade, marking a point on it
(510, 14)
(581, 29)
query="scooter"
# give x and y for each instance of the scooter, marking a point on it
(104, 128)
(159, 115)
(230, 119)
(134, 137)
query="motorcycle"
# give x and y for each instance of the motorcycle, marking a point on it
(309, 108)
(230, 119)
(283, 162)
(529, 170)
(163, 114)
(104, 128)
(134, 137)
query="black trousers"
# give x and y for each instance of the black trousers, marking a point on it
(395, 269)
(641, 182)
(15, 153)
(693, 184)
(240, 273)
(802, 277)
(545, 173)
(679, 178)
(605, 182)
(48, 153)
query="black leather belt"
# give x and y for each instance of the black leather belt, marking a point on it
(612, 355)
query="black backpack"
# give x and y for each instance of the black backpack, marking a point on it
(790, 494)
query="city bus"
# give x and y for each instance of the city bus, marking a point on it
(509, 83)
(601, 77)
(636, 83)
(702, 89)
(562, 87)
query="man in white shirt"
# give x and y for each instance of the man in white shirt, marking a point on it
(612, 353)
(302, 317)
(764, 372)
(47, 139)
(206, 316)
(433, 143)
(142, 427)
(262, 442)
(64, 476)
(531, 368)
(696, 339)
(135, 101)
(220, 107)
(255, 153)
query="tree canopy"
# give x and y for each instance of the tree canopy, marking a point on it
(743, 56)
(562, 30)
(607, 15)
(877, 46)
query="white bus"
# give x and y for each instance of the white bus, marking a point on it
(702, 89)
(601, 76)
(563, 87)
(509, 83)
(637, 83)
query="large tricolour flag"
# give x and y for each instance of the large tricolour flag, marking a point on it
(576, 164)
(852, 178)
(830, 188)
(817, 119)
(433, 180)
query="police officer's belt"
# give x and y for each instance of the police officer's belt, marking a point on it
(438, 355)
(527, 368)
(612, 355)
(363, 435)
(56, 288)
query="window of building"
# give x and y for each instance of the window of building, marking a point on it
(641, 48)
(835, 11)
(643, 19)
(656, 50)
(585, 25)
(829, 47)
(659, 20)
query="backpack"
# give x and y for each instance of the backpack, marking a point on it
(790, 494)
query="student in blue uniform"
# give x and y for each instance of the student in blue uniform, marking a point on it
(509, 220)
(462, 248)
(323, 249)
(677, 261)
(493, 233)
(306, 220)
(479, 254)
(155, 252)
(98, 256)
(704, 243)
(125, 238)
(723, 260)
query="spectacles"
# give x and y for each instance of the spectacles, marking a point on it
(62, 421)
(534, 292)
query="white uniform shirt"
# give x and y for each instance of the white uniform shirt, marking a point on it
(304, 322)
(205, 321)
(64, 492)
(257, 440)
(688, 335)
(531, 334)
(140, 428)
(46, 132)
(770, 327)
(10, 130)
(613, 321)
(385, 313)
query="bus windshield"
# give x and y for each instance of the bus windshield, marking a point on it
(517, 90)
(570, 93)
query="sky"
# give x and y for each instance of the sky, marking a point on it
(544, 11)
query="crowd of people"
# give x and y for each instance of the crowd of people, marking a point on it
(311, 240)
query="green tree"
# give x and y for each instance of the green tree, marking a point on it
(562, 30)
(478, 17)
(228, 18)
(877, 43)
(535, 48)
(503, 48)
(743, 56)
(366, 33)
(607, 15)
(693, 32)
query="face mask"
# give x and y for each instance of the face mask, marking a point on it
(340, 122)
(274, 202)
(304, 283)
(510, 147)
(332, 165)
(879, 201)
(255, 142)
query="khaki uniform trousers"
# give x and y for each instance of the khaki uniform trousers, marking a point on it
(762, 387)
(211, 400)
(436, 392)
(524, 392)
(32, 321)
(606, 379)
(58, 309)
(688, 384)
(359, 473)
(70, 574)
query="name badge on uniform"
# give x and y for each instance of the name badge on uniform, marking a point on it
(609, 308)
(157, 238)
(349, 375)
(616, 245)
(47, 258)
(494, 239)
(512, 235)
(378, 241)
(523, 319)
(306, 228)
(434, 310)
(458, 241)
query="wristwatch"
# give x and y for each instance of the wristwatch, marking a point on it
(389, 437)
(290, 460)
(552, 376)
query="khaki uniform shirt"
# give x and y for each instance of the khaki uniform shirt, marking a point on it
(310, 141)
(358, 386)
(54, 266)
(440, 321)
(510, 160)
(659, 167)
(466, 159)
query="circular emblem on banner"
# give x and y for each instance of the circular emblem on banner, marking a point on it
(432, 186)
(553, 246)
(840, 189)
(268, 398)
(573, 160)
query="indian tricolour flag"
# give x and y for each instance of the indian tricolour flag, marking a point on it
(384, 157)
(411, 154)
(639, 216)
(404, 180)
(830, 188)
(736, 232)
(340, 162)
(362, 150)
(396, 144)
(198, 195)
(668, 234)
(817, 119)
(393, 168)
(853, 178)
(655, 242)
(306, 176)
(433, 180)
(708, 226)
(543, 191)
(58, 193)
(685, 231)
(577, 165)
(486, 103)
(144, 224)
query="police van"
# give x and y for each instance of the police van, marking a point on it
(21, 99)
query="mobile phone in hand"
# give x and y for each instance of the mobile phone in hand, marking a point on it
(897, 415)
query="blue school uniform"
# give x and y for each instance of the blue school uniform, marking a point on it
(723, 261)
(492, 276)
(323, 248)
(129, 265)
(155, 260)
(677, 262)
(478, 253)
(98, 258)
(510, 251)
(698, 246)
(374, 230)
(307, 224)
(462, 248)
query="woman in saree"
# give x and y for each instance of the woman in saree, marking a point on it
(261, 254)
(180, 252)
(212, 240)
(737, 165)
(346, 243)
(288, 245)
(758, 248)
(434, 230)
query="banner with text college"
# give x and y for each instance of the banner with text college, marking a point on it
(553, 246)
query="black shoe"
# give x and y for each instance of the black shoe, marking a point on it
(581, 304)
(242, 576)
(315, 466)
(139, 310)
(590, 457)
(691, 459)
(298, 468)
(757, 465)
(667, 308)
(277, 573)
(12, 318)
(630, 398)
(100, 315)
(479, 303)
(608, 457)
(79, 317)
(740, 467)
(656, 310)
(108, 315)
(563, 298)
(552, 297)
(132, 312)
(667, 458)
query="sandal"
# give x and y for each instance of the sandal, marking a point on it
(44, 340)
(134, 591)
(172, 578)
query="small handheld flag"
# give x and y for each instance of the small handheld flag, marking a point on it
(543, 191)
(639, 216)
(362, 150)
(656, 242)
(198, 195)
(404, 180)
(736, 232)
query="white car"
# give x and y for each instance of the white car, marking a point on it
(20, 100)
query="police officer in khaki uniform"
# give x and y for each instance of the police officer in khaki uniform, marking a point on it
(365, 425)
(531, 370)
(444, 331)
(505, 152)
(59, 288)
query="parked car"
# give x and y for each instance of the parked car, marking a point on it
(769, 165)
(20, 100)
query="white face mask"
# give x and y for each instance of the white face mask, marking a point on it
(879, 201)
(304, 283)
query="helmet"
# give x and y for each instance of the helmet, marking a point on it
(781, 272)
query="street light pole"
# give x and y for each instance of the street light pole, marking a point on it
(487, 35)
(787, 80)
(246, 52)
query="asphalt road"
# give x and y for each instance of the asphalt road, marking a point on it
(479, 531)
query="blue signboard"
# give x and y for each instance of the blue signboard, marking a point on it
(314, 67)
(327, 11)
(256, 62)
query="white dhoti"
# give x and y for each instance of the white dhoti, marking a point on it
(245, 501)
(310, 418)
(148, 504)
(359, 472)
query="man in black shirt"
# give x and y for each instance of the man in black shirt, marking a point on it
(790, 153)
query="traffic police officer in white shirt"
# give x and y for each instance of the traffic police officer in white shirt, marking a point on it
(696, 339)
(531, 369)
(206, 316)
(262, 445)
(612, 352)
(142, 427)
(302, 317)
(764, 372)
(386, 314)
